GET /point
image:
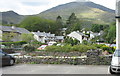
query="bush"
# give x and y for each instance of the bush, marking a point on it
(14, 43)
(37, 44)
(98, 45)
(54, 48)
(82, 48)
(29, 48)
(69, 48)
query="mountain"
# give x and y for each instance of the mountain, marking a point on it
(11, 17)
(84, 10)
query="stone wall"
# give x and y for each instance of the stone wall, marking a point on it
(100, 60)
(93, 57)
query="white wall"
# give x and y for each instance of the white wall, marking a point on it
(117, 34)
(76, 36)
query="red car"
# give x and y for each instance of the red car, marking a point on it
(42, 47)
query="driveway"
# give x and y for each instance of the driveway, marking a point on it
(54, 69)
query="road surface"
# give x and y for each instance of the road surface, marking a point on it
(55, 69)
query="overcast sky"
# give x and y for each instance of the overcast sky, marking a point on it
(29, 7)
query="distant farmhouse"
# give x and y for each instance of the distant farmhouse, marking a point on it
(47, 37)
(12, 29)
(80, 36)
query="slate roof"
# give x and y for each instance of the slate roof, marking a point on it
(77, 33)
(60, 37)
(44, 34)
(15, 29)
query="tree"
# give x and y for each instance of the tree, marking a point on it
(72, 19)
(27, 37)
(71, 41)
(59, 21)
(59, 25)
(9, 36)
(34, 23)
(110, 33)
(73, 24)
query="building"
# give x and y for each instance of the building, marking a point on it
(78, 35)
(47, 37)
(84, 35)
(12, 29)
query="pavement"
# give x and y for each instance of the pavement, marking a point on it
(54, 69)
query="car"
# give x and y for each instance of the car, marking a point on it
(42, 47)
(115, 63)
(51, 43)
(6, 59)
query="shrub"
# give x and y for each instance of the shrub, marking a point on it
(107, 48)
(82, 48)
(29, 48)
(65, 48)
(98, 45)
(14, 43)
(37, 44)
(69, 48)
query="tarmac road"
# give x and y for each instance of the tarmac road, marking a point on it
(55, 69)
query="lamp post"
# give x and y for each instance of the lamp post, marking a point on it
(118, 24)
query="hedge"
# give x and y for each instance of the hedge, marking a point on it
(14, 43)
(69, 48)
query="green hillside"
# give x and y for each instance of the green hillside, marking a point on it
(87, 11)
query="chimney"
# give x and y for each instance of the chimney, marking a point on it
(13, 27)
(38, 31)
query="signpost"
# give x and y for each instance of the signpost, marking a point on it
(118, 25)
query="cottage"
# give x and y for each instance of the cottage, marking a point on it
(46, 37)
(78, 35)
(12, 29)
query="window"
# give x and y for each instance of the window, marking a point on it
(117, 53)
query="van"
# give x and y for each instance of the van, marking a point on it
(115, 63)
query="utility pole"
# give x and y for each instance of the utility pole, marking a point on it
(118, 24)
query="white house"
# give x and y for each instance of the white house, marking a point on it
(78, 35)
(46, 37)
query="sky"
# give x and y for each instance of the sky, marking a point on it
(30, 7)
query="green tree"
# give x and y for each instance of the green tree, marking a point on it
(27, 37)
(110, 33)
(34, 23)
(71, 41)
(59, 25)
(95, 28)
(72, 19)
(9, 36)
(73, 24)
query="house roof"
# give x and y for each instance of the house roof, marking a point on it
(44, 34)
(72, 33)
(14, 29)
(60, 37)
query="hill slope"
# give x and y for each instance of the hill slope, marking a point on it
(84, 10)
(10, 17)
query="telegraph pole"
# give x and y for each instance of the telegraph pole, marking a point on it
(118, 24)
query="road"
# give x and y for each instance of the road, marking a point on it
(54, 69)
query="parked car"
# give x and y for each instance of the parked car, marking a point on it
(51, 43)
(115, 63)
(6, 59)
(42, 47)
